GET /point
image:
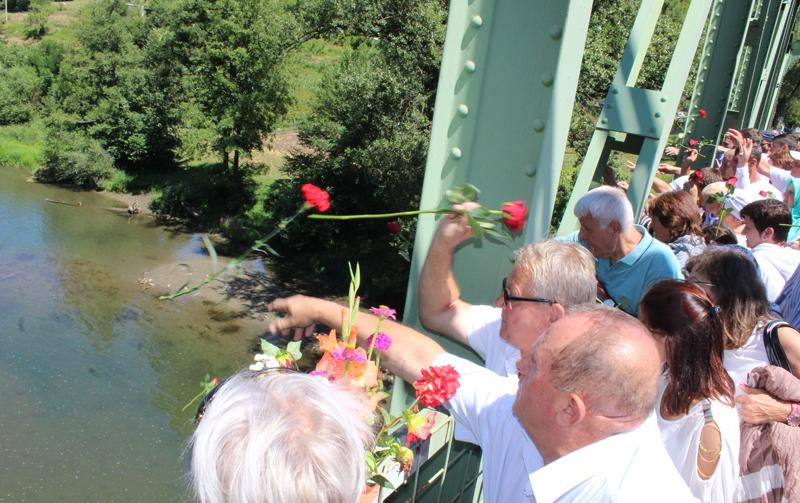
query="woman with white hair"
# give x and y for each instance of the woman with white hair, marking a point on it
(278, 436)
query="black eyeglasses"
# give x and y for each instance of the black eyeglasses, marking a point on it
(201, 409)
(508, 298)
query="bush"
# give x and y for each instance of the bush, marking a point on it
(72, 158)
(18, 5)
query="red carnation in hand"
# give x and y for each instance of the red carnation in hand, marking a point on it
(692, 142)
(438, 385)
(731, 182)
(517, 213)
(702, 113)
(316, 197)
(697, 175)
(393, 228)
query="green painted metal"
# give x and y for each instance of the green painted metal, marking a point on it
(645, 116)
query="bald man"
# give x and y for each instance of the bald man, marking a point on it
(572, 429)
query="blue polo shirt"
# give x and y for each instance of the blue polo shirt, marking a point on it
(628, 279)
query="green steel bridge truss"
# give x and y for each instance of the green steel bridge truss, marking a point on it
(503, 106)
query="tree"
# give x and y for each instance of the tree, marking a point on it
(232, 52)
(368, 135)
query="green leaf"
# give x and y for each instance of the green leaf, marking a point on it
(293, 348)
(382, 481)
(269, 349)
(212, 252)
(466, 192)
(477, 230)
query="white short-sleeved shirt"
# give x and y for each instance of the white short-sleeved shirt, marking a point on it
(739, 362)
(776, 264)
(681, 439)
(779, 178)
(628, 467)
(678, 182)
(483, 334)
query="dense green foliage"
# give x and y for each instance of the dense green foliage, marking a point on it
(788, 106)
(367, 137)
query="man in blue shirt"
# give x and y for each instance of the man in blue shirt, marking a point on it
(628, 259)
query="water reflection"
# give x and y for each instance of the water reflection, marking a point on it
(94, 370)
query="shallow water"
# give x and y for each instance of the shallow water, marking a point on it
(94, 370)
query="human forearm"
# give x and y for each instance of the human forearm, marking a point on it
(410, 351)
(439, 295)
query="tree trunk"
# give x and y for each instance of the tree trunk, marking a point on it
(236, 162)
(225, 160)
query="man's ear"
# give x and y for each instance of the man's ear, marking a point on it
(571, 411)
(768, 234)
(557, 312)
(615, 226)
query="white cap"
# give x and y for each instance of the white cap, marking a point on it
(795, 155)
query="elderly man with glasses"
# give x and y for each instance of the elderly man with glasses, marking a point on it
(547, 278)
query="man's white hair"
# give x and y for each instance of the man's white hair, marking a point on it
(559, 270)
(280, 438)
(606, 204)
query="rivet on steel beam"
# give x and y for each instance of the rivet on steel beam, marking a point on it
(463, 110)
(530, 169)
(604, 120)
(547, 79)
(538, 125)
(652, 130)
(663, 99)
(614, 90)
(657, 115)
(477, 21)
(470, 66)
(556, 32)
(456, 153)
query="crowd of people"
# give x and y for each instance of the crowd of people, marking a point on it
(650, 361)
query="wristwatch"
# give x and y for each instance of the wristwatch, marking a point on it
(794, 416)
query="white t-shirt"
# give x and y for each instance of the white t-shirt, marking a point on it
(677, 183)
(776, 265)
(739, 362)
(483, 334)
(759, 186)
(681, 439)
(779, 178)
(628, 467)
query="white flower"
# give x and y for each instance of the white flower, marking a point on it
(266, 361)
(257, 366)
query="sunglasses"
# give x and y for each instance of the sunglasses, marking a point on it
(507, 298)
(254, 374)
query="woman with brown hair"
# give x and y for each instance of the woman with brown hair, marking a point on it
(696, 414)
(676, 222)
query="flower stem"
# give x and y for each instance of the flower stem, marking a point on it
(320, 216)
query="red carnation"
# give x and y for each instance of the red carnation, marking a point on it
(697, 175)
(438, 385)
(702, 113)
(517, 213)
(763, 193)
(731, 182)
(316, 197)
(692, 142)
(393, 228)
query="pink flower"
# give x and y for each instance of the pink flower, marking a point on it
(438, 385)
(322, 373)
(702, 113)
(316, 197)
(763, 193)
(393, 228)
(516, 213)
(731, 182)
(384, 311)
(419, 428)
(692, 142)
(382, 342)
(349, 354)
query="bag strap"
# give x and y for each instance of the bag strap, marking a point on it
(775, 352)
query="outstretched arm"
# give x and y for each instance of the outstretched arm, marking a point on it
(440, 306)
(409, 353)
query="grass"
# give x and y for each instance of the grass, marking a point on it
(21, 145)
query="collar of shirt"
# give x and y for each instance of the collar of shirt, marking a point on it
(637, 252)
(552, 481)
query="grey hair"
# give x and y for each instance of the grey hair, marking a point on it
(606, 204)
(559, 270)
(601, 365)
(280, 438)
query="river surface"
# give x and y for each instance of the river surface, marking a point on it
(94, 370)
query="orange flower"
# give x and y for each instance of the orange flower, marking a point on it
(328, 343)
(419, 427)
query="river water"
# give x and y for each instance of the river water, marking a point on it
(94, 370)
